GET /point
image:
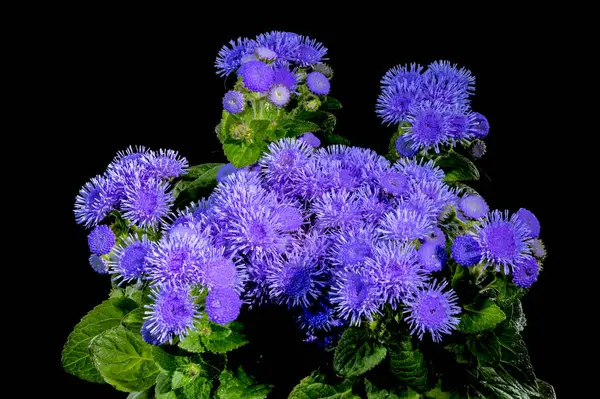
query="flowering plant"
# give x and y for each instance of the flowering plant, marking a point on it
(392, 266)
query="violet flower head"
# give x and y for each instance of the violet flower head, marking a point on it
(336, 209)
(233, 102)
(473, 206)
(355, 296)
(98, 264)
(405, 146)
(526, 273)
(432, 256)
(223, 305)
(147, 204)
(279, 95)
(128, 261)
(172, 313)
(94, 201)
(404, 225)
(229, 58)
(309, 52)
(352, 246)
(164, 164)
(531, 222)
(466, 250)
(318, 83)
(310, 139)
(257, 76)
(101, 240)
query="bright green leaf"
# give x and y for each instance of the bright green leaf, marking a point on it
(134, 320)
(76, 358)
(241, 154)
(357, 353)
(192, 343)
(481, 318)
(166, 362)
(163, 388)
(223, 339)
(308, 388)
(124, 360)
(198, 388)
(457, 167)
(240, 387)
(201, 171)
(146, 394)
(374, 392)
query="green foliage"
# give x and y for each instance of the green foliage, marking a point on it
(197, 183)
(357, 352)
(124, 360)
(312, 388)
(478, 318)
(240, 386)
(374, 392)
(407, 363)
(76, 358)
(457, 167)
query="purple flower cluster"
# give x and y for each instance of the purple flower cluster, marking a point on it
(432, 107)
(273, 64)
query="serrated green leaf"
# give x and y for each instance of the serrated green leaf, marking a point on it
(457, 167)
(486, 348)
(331, 103)
(192, 343)
(134, 320)
(76, 358)
(460, 351)
(374, 392)
(124, 360)
(408, 364)
(437, 393)
(296, 127)
(240, 387)
(357, 353)
(476, 319)
(259, 128)
(504, 386)
(546, 391)
(198, 388)
(180, 379)
(165, 361)
(146, 394)
(504, 291)
(241, 154)
(200, 171)
(163, 388)
(224, 338)
(186, 191)
(310, 389)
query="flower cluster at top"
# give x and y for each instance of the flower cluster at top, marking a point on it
(432, 108)
(276, 65)
(336, 234)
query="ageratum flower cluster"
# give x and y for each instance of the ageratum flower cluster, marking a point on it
(276, 65)
(432, 108)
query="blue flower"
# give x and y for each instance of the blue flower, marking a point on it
(256, 230)
(265, 54)
(405, 146)
(147, 204)
(480, 126)
(290, 218)
(128, 261)
(395, 101)
(284, 159)
(355, 296)
(229, 58)
(233, 102)
(217, 271)
(437, 235)
(164, 164)
(402, 74)
(466, 251)
(526, 273)
(310, 139)
(98, 264)
(473, 206)
(404, 225)
(309, 52)
(284, 44)
(95, 200)
(352, 246)
(284, 77)
(279, 95)
(318, 83)
(224, 171)
(432, 256)
(395, 270)
(531, 222)
(336, 209)
(372, 202)
(223, 305)
(429, 127)
(447, 84)
(257, 76)
(504, 241)
(393, 183)
(417, 171)
(322, 318)
(101, 240)
(537, 249)
(149, 337)
(432, 310)
(437, 191)
(172, 313)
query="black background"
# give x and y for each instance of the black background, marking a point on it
(109, 84)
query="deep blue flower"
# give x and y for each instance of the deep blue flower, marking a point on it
(225, 170)
(432, 310)
(405, 146)
(445, 83)
(404, 225)
(429, 127)
(284, 44)
(233, 102)
(94, 201)
(257, 76)
(421, 204)
(336, 209)
(217, 271)
(473, 206)
(164, 164)
(172, 313)
(98, 264)
(149, 337)
(466, 251)
(351, 246)
(437, 235)
(402, 74)
(393, 183)
(310, 139)
(101, 240)
(284, 77)
(355, 296)
(437, 191)
(395, 101)
(417, 171)
(526, 273)
(285, 158)
(479, 126)
(279, 95)
(504, 241)
(223, 305)
(128, 261)
(290, 218)
(322, 318)
(531, 222)
(229, 58)
(309, 52)
(318, 83)
(147, 204)
(432, 256)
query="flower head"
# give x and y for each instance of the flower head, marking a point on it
(445, 83)
(402, 74)
(283, 76)
(417, 171)
(352, 246)
(336, 209)
(290, 218)
(473, 206)
(98, 264)
(95, 200)
(225, 170)
(393, 183)
(223, 305)
(355, 296)
(164, 164)
(526, 273)
(233, 102)
(429, 127)
(480, 127)
(318, 83)
(128, 260)
(537, 249)
(404, 225)
(432, 256)
(229, 58)
(101, 240)
(395, 101)
(147, 204)
(405, 146)
(531, 222)
(284, 159)
(436, 235)
(283, 44)
(466, 251)
(321, 318)
(432, 310)
(279, 95)
(309, 52)
(172, 313)
(149, 336)
(265, 54)
(257, 76)
(217, 271)
(478, 149)
(310, 139)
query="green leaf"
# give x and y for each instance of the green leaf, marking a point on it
(460, 351)
(296, 127)
(457, 167)
(124, 360)
(134, 320)
(437, 393)
(308, 388)
(476, 319)
(192, 343)
(145, 394)
(356, 353)
(504, 386)
(163, 388)
(198, 388)
(240, 387)
(221, 339)
(408, 364)
(186, 191)
(76, 358)
(259, 128)
(397, 393)
(241, 154)
(505, 292)
(202, 171)
(163, 360)
(331, 103)
(486, 348)
(546, 390)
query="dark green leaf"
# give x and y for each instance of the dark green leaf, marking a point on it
(163, 388)
(76, 358)
(546, 390)
(296, 127)
(485, 347)
(124, 360)
(504, 386)
(408, 364)
(397, 393)
(198, 388)
(221, 339)
(460, 351)
(437, 393)
(331, 103)
(134, 320)
(146, 394)
(457, 167)
(186, 191)
(241, 154)
(201, 171)
(166, 362)
(476, 319)
(311, 389)
(357, 353)
(240, 387)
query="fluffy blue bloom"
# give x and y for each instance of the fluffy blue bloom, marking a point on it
(537, 249)
(336, 209)
(310, 139)
(265, 54)
(395, 270)
(479, 127)
(149, 337)
(318, 83)
(279, 95)
(447, 84)
(432, 310)
(225, 171)
(284, 77)
(429, 127)
(473, 206)
(223, 305)
(284, 44)
(233, 102)
(421, 204)
(256, 230)
(147, 204)
(172, 313)
(296, 278)
(176, 260)
(466, 251)
(417, 171)
(402, 74)
(257, 76)
(531, 222)
(438, 192)
(229, 58)
(395, 101)
(504, 241)
(164, 164)
(101, 240)
(133, 154)
(290, 218)
(309, 52)
(201, 207)
(352, 246)
(321, 318)
(128, 261)
(526, 273)
(94, 201)
(393, 183)
(217, 271)
(372, 202)
(405, 146)
(404, 225)
(355, 296)
(285, 158)
(432, 256)
(478, 149)
(98, 264)
(257, 289)
(437, 235)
